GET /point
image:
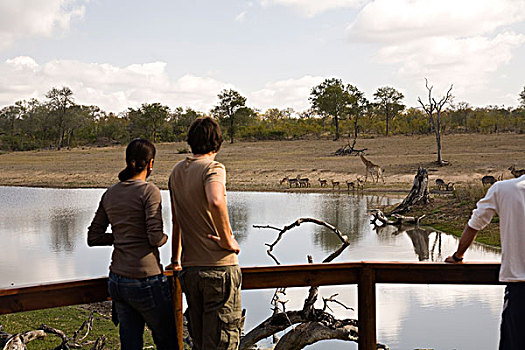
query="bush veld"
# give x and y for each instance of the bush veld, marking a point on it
(35, 124)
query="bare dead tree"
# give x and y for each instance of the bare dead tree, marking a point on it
(310, 324)
(19, 341)
(435, 123)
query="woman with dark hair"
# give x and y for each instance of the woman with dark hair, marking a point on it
(139, 290)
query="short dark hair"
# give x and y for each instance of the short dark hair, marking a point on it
(204, 136)
(138, 154)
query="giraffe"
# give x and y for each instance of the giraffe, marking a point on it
(372, 169)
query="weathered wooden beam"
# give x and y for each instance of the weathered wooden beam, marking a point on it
(53, 295)
(436, 273)
(366, 309)
(300, 275)
(95, 290)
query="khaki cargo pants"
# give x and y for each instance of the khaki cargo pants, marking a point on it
(213, 295)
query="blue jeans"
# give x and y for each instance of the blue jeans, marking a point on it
(144, 301)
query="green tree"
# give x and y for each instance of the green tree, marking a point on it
(357, 106)
(331, 98)
(148, 120)
(59, 103)
(522, 98)
(9, 120)
(180, 120)
(231, 108)
(388, 102)
(111, 128)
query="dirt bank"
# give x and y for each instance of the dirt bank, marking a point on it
(261, 165)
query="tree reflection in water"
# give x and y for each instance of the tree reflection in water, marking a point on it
(238, 213)
(420, 238)
(348, 213)
(65, 230)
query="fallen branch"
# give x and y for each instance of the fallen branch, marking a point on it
(297, 223)
(19, 341)
(349, 149)
(313, 324)
(379, 216)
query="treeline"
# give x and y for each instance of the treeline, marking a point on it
(337, 110)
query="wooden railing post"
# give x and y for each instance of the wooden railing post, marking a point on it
(177, 307)
(366, 313)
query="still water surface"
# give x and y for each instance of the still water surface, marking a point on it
(43, 236)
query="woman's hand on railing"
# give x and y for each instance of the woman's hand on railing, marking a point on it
(175, 266)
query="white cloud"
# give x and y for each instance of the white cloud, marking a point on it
(26, 18)
(114, 89)
(241, 17)
(448, 41)
(310, 8)
(110, 87)
(292, 93)
(466, 62)
(388, 21)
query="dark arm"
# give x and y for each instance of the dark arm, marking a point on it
(97, 235)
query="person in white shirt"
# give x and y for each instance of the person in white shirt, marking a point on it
(507, 199)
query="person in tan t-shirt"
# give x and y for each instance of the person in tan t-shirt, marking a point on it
(203, 245)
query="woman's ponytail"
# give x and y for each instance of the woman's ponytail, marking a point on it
(138, 155)
(126, 174)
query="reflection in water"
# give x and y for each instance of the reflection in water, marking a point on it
(64, 229)
(238, 213)
(349, 215)
(420, 238)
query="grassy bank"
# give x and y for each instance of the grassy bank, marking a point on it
(450, 214)
(67, 319)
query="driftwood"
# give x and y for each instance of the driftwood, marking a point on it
(310, 324)
(418, 194)
(349, 149)
(19, 341)
(379, 216)
(296, 223)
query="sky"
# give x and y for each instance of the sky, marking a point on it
(122, 53)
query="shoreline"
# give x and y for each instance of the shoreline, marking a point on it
(232, 189)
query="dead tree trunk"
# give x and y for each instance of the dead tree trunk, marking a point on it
(418, 194)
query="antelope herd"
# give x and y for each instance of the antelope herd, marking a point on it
(304, 182)
(376, 172)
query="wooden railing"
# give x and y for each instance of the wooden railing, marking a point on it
(365, 274)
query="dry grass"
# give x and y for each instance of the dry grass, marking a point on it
(260, 165)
